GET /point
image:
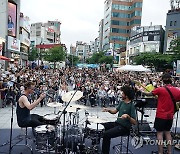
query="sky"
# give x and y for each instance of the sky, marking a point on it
(80, 18)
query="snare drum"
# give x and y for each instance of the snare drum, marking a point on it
(45, 134)
(51, 119)
(94, 129)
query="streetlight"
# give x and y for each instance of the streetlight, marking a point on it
(113, 54)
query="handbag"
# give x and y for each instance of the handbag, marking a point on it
(176, 107)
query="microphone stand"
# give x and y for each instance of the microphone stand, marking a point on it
(64, 113)
(10, 145)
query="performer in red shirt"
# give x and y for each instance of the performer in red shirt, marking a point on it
(165, 111)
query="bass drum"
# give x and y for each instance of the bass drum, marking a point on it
(73, 137)
(45, 135)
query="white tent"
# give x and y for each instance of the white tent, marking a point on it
(136, 68)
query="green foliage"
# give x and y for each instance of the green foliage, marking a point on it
(175, 46)
(33, 55)
(55, 54)
(106, 59)
(73, 60)
(157, 60)
(100, 58)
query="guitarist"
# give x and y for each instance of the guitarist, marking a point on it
(165, 111)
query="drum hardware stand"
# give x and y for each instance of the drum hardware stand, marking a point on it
(176, 123)
(64, 116)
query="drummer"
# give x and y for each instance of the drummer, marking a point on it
(24, 118)
(126, 117)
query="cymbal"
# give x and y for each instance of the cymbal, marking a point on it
(96, 120)
(68, 109)
(80, 106)
(67, 97)
(54, 104)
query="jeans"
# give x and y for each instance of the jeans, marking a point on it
(112, 130)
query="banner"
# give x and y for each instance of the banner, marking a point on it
(12, 19)
(13, 44)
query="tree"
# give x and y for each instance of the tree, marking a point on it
(73, 60)
(100, 58)
(175, 46)
(33, 55)
(157, 60)
(106, 60)
(55, 54)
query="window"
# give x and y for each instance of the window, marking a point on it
(175, 23)
(170, 23)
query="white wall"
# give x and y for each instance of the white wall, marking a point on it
(3, 18)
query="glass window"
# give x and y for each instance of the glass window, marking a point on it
(175, 23)
(157, 38)
(145, 38)
(170, 23)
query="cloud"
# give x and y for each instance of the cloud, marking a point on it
(80, 18)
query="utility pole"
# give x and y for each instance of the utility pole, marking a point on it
(113, 54)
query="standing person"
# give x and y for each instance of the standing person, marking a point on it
(24, 118)
(165, 111)
(126, 117)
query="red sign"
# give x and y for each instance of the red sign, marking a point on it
(50, 30)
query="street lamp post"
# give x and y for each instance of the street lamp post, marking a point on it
(113, 54)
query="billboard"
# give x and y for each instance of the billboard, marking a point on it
(13, 44)
(12, 19)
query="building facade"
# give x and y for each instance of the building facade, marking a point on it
(24, 39)
(144, 39)
(45, 33)
(119, 17)
(9, 29)
(101, 24)
(172, 25)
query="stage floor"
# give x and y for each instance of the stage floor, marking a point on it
(5, 120)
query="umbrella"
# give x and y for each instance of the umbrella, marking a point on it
(136, 68)
(4, 58)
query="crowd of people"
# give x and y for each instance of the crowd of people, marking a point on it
(100, 88)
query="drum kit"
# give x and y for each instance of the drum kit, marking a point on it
(68, 135)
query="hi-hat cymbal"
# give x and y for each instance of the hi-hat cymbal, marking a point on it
(67, 97)
(96, 120)
(54, 104)
(68, 109)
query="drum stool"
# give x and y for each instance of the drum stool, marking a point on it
(24, 137)
(119, 147)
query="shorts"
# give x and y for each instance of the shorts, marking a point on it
(163, 124)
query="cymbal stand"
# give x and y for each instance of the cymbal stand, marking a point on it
(64, 117)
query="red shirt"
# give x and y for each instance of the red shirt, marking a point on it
(165, 106)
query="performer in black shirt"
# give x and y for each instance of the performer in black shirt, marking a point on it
(24, 118)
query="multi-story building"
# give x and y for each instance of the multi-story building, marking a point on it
(9, 28)
(45, 33)
(119, 17)
(101, 24)
(80, 50)
(172, 24)
(144, 39)
(83, 50)
(96, 45)
(72, 50)
(24, 38)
